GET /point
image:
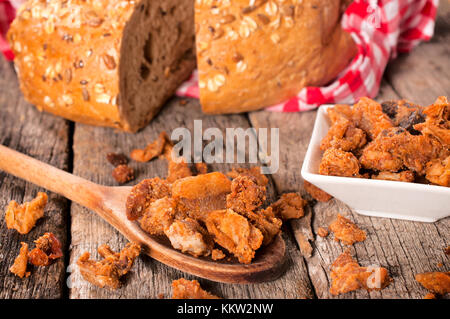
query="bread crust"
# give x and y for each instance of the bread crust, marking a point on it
(253, 56)
(68, 56)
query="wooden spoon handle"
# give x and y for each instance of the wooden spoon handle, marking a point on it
(70, 186)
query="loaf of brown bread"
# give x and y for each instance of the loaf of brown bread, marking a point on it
(103, 62)
(257, 53)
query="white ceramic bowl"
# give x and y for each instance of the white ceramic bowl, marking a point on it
(411, 201)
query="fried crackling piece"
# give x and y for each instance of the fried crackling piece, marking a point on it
(246, 194)
(437, 171)
(289, 206)
(343, 135)
(48, 248)
(339, 112)
(266, 221)
(316, 192)
(188, 236)
(143, 194)
(336, 162)
(246, 198)
(347, 275)
(234, 233)
(346, 231)
(152, 150)
(395, 148)
(368, 115)
(436, 282)
(437, 121)
(405, 176)
(19, 268)
(201, 194)
(23, 217)
(185, 289)
(159, 216)
(107, 272)
(254, 171)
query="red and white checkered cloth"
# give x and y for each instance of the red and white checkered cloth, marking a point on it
(380, 28)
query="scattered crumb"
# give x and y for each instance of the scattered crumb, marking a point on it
(123, 174)
(322, 232)
(48, 249)
(289, 206)
(108, 272)
(19, 268)
(152, 150)
(447, 250)
(435, 282)
(185, 289)
(316, 192)
(116, 159)
(23, 217)
(183, 102)
(217, 254)
(161, 296)
(347, 275)
(430, 295)
(346, 231)
(439, 265)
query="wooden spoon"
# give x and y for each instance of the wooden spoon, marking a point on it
(109, 203)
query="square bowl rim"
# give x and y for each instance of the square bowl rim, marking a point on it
(315, 177)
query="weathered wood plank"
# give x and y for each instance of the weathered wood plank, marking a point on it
(46, 138)
(150, 278)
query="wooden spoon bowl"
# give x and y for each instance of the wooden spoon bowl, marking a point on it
(109, 203)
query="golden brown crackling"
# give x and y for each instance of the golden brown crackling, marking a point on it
(19, 268)
(48, 249)
(198, 195)
(231, 70)
(143, 194)
(346, 231)
(437, 122)
(289, 206)
(336, 162)
(347, 275)
(190, 237)
(368, 115)
(108, 271)
(152, 150)
(159, 216)
(234, 233)
(436, 282)
(186, 289)
(23, 217)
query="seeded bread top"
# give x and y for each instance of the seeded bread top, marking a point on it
(67, 56)
(257, 53)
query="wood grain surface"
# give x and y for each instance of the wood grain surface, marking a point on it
(46, 138)
(405, 248)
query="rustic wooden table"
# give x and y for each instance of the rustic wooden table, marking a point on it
(405, 248)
